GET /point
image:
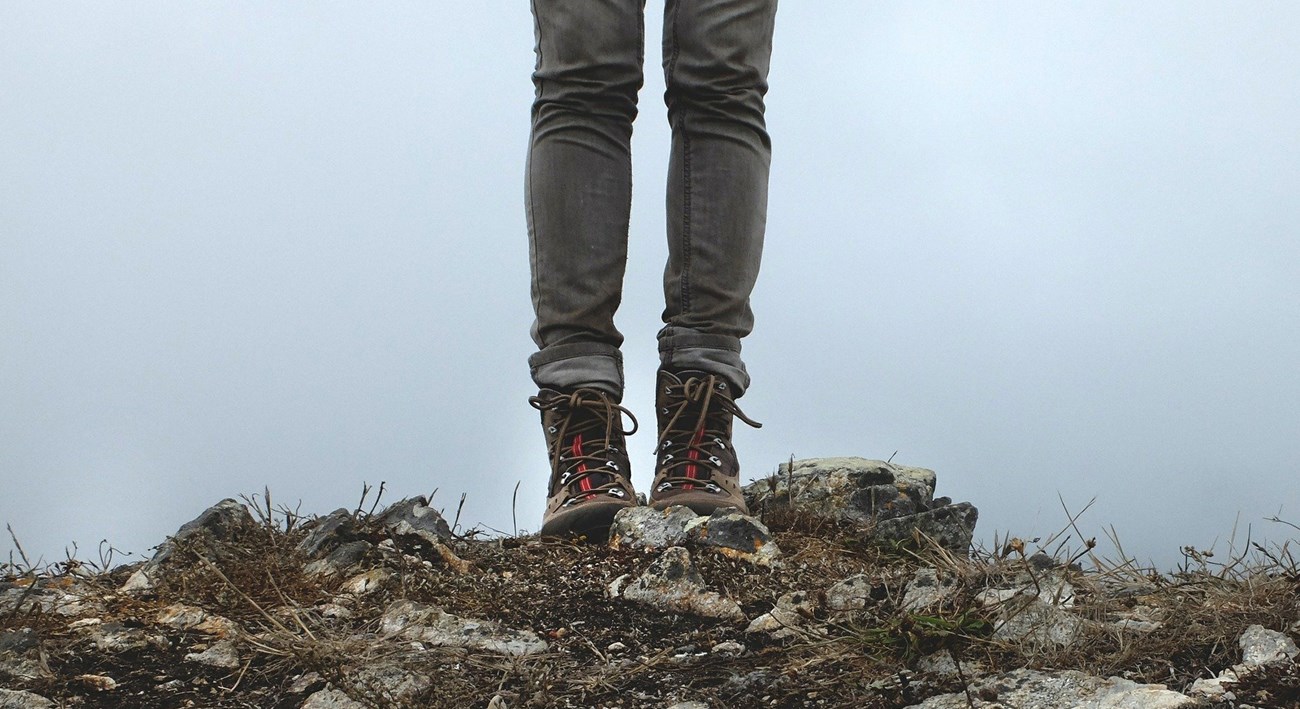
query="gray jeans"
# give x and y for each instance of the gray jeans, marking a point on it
(579, 182)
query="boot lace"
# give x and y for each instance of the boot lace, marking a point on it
(680, 465)
(581, 443)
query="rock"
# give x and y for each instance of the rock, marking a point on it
(430, 625)
(650, 528)
(1260, 646)
(1068, 689)
(728, 648)
(688, 705)
(951, 527)
(733, 534)
(220, 654)
(18, 641)
(1032, 620)
(227, 521)
(183, 617)
(390, 685)
(851, 594)
(305, 683)
(673, 583)
(115, 637)
(414, 516)
(615, 648)
(330, 698)
(343, 558)
(791, 612)
(327, 533)
(849, 489)
(368, 582)
(738, 536)
(926, 590)
(14, 699)
(99, 683)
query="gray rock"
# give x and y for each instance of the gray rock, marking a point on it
(414, 516)
(1032, 620)
(222, 654)
(431, 625)
(737, 535)
(389, 684)
(672, 583)
(18, 641)
(850, 489)
(1261, 646)
(791, 612)
(331, 698)
(728, 648)
(688, 705)
(650, 528)
(733, 534)
(1068, 689)
(342, 559)
(115, 637)
(14, 699)
(327, 533)
(227, 521)
(851, 594)
(183, 617)
(926, 590)
(952, 527)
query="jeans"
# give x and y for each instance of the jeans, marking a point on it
(578, 186)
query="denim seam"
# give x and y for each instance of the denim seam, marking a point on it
(684, 288)
(537, 290)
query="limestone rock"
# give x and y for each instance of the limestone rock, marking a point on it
(183, 617)
(116, 638)
(327, 533)
(1068, 689)
(414, 516)
(1261, 646)
(851, 594)
(220, 654)
(850, 489)
(343, 558)
(330, 698)
(673, 583)
(927, 590)
(368, 582)
(731, 533)
(14, 699)
(226, 521)
(431, 625)
(791, 612)
(951, 526)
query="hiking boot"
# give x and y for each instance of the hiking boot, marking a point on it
(590, 473)
(696, 466)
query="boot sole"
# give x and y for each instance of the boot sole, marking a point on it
(701, 503)
(590, 519)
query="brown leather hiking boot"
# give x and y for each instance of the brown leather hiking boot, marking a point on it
(590, 473)
(697, 465)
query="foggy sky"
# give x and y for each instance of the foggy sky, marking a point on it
(1048, 250)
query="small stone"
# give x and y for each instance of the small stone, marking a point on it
(615, 648)
(673, 583)
(650, 528)
(183, 617)
(851, 594)
(728, 648)
(1034, 689)
(305, 683)
(18, 641)
(368, 582)
(738, 536)
(115, 637)
(343, 558)
(221, 654)
(688, 705)
(330, 698)
(951, 527)
(848, 489)
(328, 532)
(17, 699)
(99, 683)
(226, 521)
(414, 516)
(1261, 646)
(790, 613)
(926, 590)
(1035, 621)
(430, 625)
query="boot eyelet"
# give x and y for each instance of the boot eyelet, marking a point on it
(718, 442)
(612, 465)
(713, 488)
(664, 487)
(714, 459)
(551, 429)
(617, 492)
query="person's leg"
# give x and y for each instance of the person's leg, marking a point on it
(579, 186)
(578, 192)
(716, 57)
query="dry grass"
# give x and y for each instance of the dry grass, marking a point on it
(867, 658)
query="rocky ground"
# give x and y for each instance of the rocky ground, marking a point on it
(851, 586)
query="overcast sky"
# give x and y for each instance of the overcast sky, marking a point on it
(1049, 250)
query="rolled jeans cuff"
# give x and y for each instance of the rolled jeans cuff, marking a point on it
(580, 364)
(682, 350)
